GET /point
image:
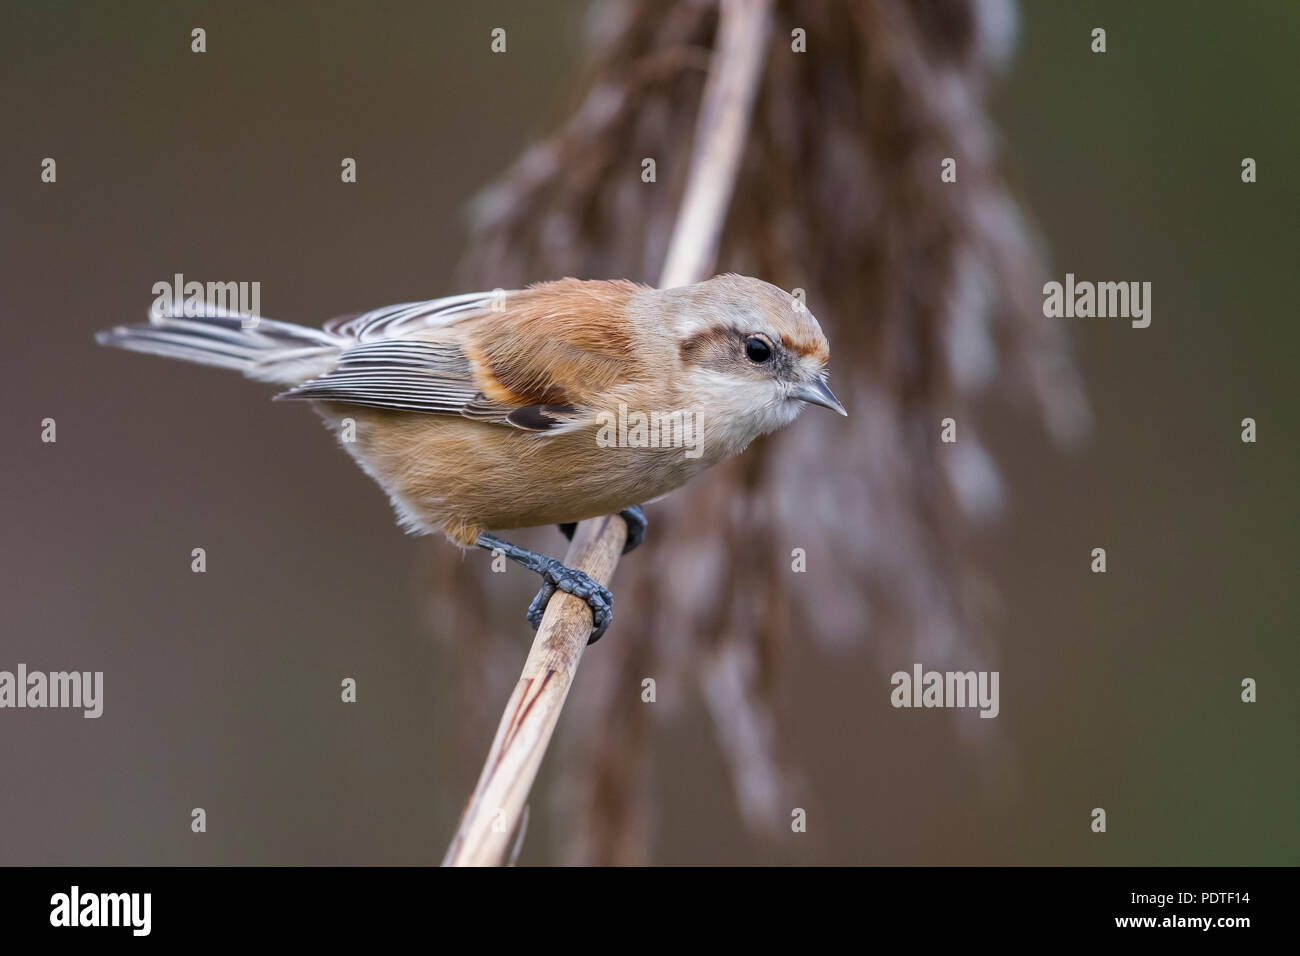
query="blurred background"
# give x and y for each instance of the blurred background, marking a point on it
(475, 170)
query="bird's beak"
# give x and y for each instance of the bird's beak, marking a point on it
(818, 393)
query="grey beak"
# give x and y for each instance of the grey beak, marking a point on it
(818, 393)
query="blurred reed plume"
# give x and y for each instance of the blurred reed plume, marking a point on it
(928, 292)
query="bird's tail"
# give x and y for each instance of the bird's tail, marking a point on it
(262, 349)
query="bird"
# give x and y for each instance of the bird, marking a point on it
(565, 400)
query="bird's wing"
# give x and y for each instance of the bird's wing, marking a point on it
(406, 318)
(533, 360)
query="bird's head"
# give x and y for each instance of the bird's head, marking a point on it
(752, 354)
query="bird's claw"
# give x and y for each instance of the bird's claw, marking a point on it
(633, 517)
(581, 585)
(636, 523)
(599, 599)
(538, 607)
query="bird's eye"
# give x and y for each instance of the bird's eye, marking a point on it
(756, 350)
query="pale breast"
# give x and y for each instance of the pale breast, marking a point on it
(460, 477)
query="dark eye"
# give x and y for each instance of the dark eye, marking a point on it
(756, 350)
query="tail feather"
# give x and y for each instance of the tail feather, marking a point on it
(262, 349)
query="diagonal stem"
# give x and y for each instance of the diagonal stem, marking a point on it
(499, 798)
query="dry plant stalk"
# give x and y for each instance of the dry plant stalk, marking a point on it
(525, 730)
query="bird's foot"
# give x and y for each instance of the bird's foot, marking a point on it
(556, 576)
(580, 584)
(633, 517)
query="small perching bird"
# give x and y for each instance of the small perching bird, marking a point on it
(549, 405)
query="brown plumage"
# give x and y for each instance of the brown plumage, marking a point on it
(500, 411)
(929, 290)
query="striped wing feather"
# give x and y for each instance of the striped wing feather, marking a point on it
(531, 365)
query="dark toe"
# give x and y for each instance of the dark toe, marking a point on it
(635, 520)
(538, 607)
(580, 585)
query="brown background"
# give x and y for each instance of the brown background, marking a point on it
(222, 689)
